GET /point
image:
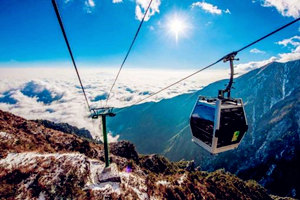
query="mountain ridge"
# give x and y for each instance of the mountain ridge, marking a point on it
(261, 89)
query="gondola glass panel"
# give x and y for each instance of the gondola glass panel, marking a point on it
(232, 126)
(202, 123)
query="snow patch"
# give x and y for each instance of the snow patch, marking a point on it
(181, 179)
(271, 169)
(95, 167)
(136, 183)
(284, 81)
(42, 196)
(5, 135)
(107, 188)
(29, 158)
(281, 153)
(294, 192)
(162, 182)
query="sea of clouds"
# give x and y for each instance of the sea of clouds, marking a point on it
(55, 94)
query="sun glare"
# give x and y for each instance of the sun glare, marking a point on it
(177, 26)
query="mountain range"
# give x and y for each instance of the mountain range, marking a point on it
(269, 153)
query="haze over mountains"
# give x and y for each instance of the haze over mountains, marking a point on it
(269, 152)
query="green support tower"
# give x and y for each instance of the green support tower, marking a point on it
(103, 112)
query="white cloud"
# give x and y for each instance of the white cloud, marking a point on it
(246, 67)
(207, 7)
(151, 28)
(88, 7)
(91, 3)
(208, 23)
(285, 57)
(227, 11)
(294, 54)
(141, 6)
(289, 8)
(255, 50)
(294, 41)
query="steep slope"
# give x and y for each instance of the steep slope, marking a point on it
(262, 90)
(41, 163)
(276, 162)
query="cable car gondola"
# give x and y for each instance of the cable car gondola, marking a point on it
(219, 124)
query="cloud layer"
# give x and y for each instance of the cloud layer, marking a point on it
(55, 94)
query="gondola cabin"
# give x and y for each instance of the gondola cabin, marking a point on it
(218, 125)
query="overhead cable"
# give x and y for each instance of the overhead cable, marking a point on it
(214, 63)
(70, 51)
(128, 51)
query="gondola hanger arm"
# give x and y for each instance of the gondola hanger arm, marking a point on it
(229, 57)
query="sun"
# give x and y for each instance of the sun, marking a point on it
(177, 26)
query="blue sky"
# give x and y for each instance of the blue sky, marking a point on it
(100, 32)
